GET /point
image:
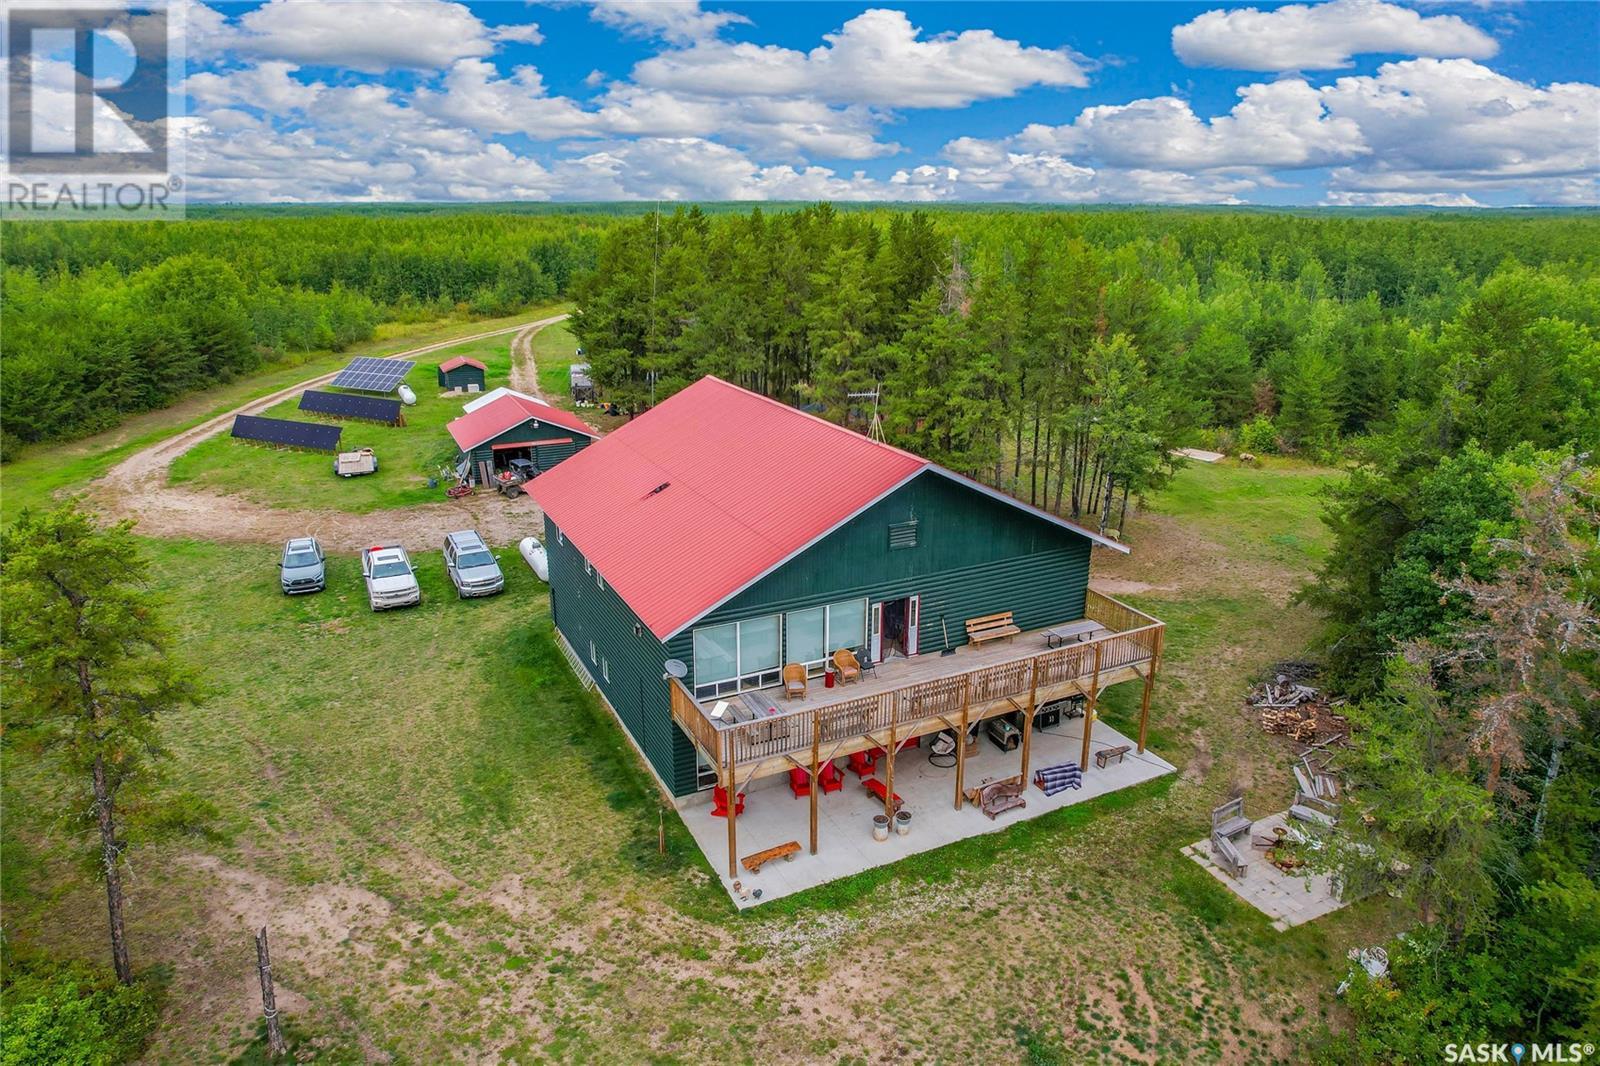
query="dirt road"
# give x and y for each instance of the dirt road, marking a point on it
(137, 487)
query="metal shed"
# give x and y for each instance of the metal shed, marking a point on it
(461, 373)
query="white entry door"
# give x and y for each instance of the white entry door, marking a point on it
(913, 622)
(875, 633)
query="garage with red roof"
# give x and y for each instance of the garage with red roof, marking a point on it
(515, 427)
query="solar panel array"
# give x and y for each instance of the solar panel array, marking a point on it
(282, 431)
(372, 408)
(370, 374)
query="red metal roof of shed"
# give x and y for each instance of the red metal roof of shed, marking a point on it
(695, 500)
(460, 360)
(508, 412)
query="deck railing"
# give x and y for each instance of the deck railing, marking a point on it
(1136, 638)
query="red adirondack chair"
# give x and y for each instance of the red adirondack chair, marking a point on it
(864, 763)
(831, 779)
(799, 782)
(719, 802)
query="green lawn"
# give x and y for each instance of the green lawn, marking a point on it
(457, 849)
(43, 471)
(555, 349)
(407, 455)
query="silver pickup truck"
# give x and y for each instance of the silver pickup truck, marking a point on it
(390, 580)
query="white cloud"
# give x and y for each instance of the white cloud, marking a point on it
(1323, 36)
(1045, 177)
(371, 37)
(1278, 124)
(679, 21)
(691, 168)
(476, 97)
(876, 59)
(1455, 126)
(1400, 199)
(526, 33)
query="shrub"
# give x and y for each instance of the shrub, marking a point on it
(74, 1014)
(1259, 436)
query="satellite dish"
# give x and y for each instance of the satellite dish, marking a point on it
(677, 668)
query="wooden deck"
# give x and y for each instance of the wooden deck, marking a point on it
(926, 694)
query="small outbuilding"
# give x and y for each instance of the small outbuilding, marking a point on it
(514, 427)
(461, 373)
(579, 382)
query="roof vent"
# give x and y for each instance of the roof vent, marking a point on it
(657, 490)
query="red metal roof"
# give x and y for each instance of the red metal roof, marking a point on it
(695, 500)
(460, 360)
(688, 503)
(506, 413)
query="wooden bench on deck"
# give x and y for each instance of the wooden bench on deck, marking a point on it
(755, 862)
(991, 627)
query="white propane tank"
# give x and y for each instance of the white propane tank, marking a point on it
(533, 552)
(407, 397)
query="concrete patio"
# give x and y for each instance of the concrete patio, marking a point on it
(1289, 899)
(773, 815)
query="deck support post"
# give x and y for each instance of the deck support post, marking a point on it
(1027, 717)
(1149, 683)
(816, 777)
(888, 774)
(733, 806)
(961, 741)
(1089, 711)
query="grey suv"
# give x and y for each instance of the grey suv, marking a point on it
(301, 569)
(473, 569)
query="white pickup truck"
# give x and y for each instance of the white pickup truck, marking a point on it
(390, 580)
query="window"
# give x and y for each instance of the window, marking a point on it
(592, 659)
(588, 567)
(847, 624)
(605, 670)
(561, 538)
(808, 635)
(737, 655)
(814, 633)
(599, 581)
(902, 535)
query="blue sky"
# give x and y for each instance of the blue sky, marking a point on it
(1349, 102)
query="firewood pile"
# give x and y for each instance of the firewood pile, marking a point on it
(1290, 707)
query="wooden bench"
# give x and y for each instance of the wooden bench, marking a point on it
(1229, 820)
(879, 789)
(991, 627)
(1103, 758)
(755, 862)
(1227, 855)
(1310, 809)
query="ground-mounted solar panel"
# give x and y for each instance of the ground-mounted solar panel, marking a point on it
(371, 408)
(370, 374)
(315, 435)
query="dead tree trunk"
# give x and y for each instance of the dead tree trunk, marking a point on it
(269, 1002)
(110, 865)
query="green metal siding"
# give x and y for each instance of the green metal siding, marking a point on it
(974, 556)
(546, 457)
(584, 611)
(461, 377)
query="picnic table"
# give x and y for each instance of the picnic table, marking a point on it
(1072, 633)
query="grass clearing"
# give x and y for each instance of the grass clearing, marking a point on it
(43, 471)
(408, 455)
(457, 849)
